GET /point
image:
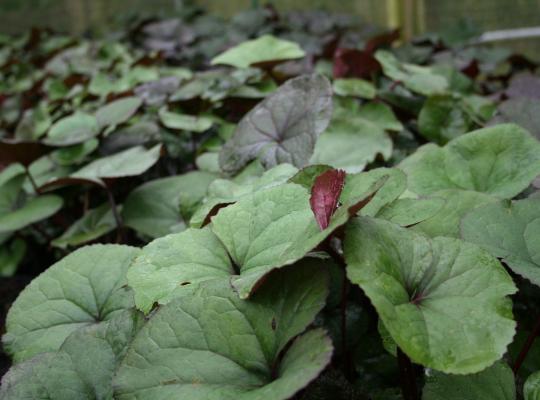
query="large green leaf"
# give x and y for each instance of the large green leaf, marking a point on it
(350, 144)
(419, 79)
(283, 127)
(457, 203)
(118, 111)
(501, 160)
(442, 300)
(357, 184)
(85, 287)
(273, 228)
(130, 162)
(209, 344)
(412, 211)
(224, 191)
(74, 129)
(531, 389)
(266, 48)
(510, 231)
(494, 383)
(92, 225)
(33, 210)
(168, 264)
(82, 368)
(159, 207)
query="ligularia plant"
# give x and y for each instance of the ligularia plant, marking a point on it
(301, 251)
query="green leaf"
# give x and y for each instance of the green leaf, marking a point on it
(306, 176)
(208, 344)
(81, 369)
(357, 184)
(224, 191)
(510, 231)
(273, 228)
(131, 162)
(381, 115)
(159, 207)
(355, 88)
(531, 389)
(33, 210)
(419, 79)
(350, 144)
(443, 119)
(74, 129)
(410, 211)
(169, 264)
(457, 203)
(283, 128)
(118, 111)
(266, 48)
(92, 225)
(74, 154)
(184, 121)
(501, 160)
(83, 288)
(10, 257)
(442, 300)
(494, 383)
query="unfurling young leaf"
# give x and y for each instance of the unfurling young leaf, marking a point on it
(325, 195)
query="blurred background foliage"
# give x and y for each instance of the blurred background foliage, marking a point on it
(413, 16)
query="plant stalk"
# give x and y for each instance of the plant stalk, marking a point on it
(526, 347)
(32, 181)
(117, 217)
(407, 376)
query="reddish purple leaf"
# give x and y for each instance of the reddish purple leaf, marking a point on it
(353, 63)
(325, 195)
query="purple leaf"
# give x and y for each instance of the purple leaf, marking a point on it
(325, 195)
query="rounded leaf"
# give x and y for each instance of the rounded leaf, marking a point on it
(85, 287)
(444, 301)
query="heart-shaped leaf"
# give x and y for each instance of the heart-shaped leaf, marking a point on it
(510, 231)
(168, 264)
(501, 160)
(222, 192)
(275, 227)
(283, 127)
(87, 286)
(266, 48)
(82, 368)
(443, 301)
(209, 344)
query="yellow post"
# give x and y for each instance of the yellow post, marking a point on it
(393, 14)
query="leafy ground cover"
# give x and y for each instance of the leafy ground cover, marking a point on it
(283, 206)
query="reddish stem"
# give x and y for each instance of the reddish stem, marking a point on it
(526, 347)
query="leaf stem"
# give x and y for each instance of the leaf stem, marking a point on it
(407, 376)
(32, 181)
(117, 217)
(526, 347)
